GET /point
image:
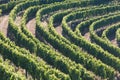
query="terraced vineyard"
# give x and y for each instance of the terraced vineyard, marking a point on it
(60, 40)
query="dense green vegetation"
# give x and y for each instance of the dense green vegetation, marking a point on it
(59, 40)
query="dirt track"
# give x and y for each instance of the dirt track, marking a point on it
(31, 26)
(59, 29)
(4, 24)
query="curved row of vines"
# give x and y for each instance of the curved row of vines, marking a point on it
(60, 40)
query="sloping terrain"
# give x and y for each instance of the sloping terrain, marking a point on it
(60, 40)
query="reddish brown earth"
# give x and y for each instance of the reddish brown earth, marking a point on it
(44, 21)
(87, 36)
(19, 18)
(4, 24)
(4, 29)
(45, 24)
(114, 42)
(59, 29)
(31, 26)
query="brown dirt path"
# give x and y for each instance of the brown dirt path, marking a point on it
(19, 18)
(45, 24)
(86, 33)
(87, 36)
(114, 42)
(4, 24)
(31, 26)
(59, 29)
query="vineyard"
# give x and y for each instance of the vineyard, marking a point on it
(59, 40)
